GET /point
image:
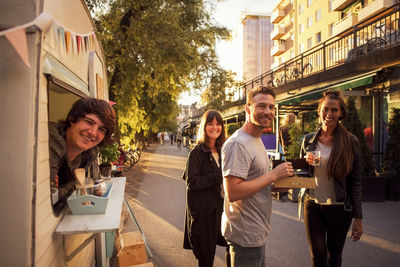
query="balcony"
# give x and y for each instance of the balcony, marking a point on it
(339, 5)
(346, 23)
(278, 49)
(373, 8)
(278, 15)
(278, 32)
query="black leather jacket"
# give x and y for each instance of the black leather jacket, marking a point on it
(347, 190)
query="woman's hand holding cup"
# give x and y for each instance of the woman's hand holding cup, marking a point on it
(314, 157)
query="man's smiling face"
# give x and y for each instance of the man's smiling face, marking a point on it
(86, 133)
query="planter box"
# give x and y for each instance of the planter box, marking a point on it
(393, 188)
(374, 188)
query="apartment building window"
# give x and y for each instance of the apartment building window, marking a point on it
(292, 36)
(330, 5)
(318, 37)
(318, 15)
(309, 43)
(300, 9)
(291, 54)
(309, 22)
(301, 48)
(309, 3)
(301, 28)
(330, 29)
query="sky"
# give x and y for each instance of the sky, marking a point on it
(229, 13)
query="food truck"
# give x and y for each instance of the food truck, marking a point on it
(50, 57)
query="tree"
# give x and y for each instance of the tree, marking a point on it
(155, 49)
(216, 94)
(353, 124)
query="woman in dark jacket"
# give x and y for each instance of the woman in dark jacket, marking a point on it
(330, 207)
(204, 193)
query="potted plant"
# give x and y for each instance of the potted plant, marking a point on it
(108, 154)
(391, 160)
(374, 187)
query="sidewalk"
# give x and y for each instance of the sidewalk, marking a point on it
(157, 195)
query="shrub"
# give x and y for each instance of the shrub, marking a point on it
(391, 160)
(231, 129)
(353, 124)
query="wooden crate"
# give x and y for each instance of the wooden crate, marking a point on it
(130, 249)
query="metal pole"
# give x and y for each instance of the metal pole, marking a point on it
(138, 227)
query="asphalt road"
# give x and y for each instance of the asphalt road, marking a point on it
(156, 193)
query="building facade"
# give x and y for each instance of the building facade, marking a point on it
(256, 45)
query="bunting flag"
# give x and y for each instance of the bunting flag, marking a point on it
(71, 42)
(18, 40)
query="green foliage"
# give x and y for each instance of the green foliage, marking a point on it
(109, 154)
(295, 134)
(353, 124)
(215, 94)
(391, 161)
(156, 49)
(231, 128)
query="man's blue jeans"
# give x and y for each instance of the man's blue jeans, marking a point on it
(246, 256)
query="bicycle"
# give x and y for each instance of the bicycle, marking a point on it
(376, 42)
(304, 71)
(129, 157)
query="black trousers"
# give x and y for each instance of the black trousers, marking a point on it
(326, 229)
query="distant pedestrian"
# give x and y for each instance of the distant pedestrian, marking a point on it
(162, 138)
(247, 182)
(284, 137)
(330, 207)
(171, 137)
(204, 191)
(179, 140)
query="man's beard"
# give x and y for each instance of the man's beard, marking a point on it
(259, 125)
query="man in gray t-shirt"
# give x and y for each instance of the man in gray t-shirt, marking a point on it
(247, 180)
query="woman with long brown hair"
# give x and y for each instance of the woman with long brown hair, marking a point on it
(330, 207)
(204, 198)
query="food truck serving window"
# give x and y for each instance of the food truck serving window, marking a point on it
(61, 97)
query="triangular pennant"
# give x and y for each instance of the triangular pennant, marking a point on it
(55, 33)
(73, 41)
(62, 34)
(18, 39)
(86, 43)
(78, 42)
(67, 40)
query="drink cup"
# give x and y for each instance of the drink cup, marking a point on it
(315, 156)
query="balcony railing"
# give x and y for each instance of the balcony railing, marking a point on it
(349, 21)
(278, 49)
(364, 39)
(339, 5)
(278, 15)
(373, 8)
(278, 32)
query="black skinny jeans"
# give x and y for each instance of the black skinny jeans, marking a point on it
(326, 229)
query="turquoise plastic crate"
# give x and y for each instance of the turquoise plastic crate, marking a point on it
(99, 204)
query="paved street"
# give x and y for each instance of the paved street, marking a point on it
(156, 193)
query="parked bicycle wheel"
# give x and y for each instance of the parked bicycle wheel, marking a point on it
(129, 159)
(136, 155)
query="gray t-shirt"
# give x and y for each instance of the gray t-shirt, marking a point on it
(246, 222)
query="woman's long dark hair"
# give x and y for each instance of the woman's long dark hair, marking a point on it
(202, 137)
(341, 160)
